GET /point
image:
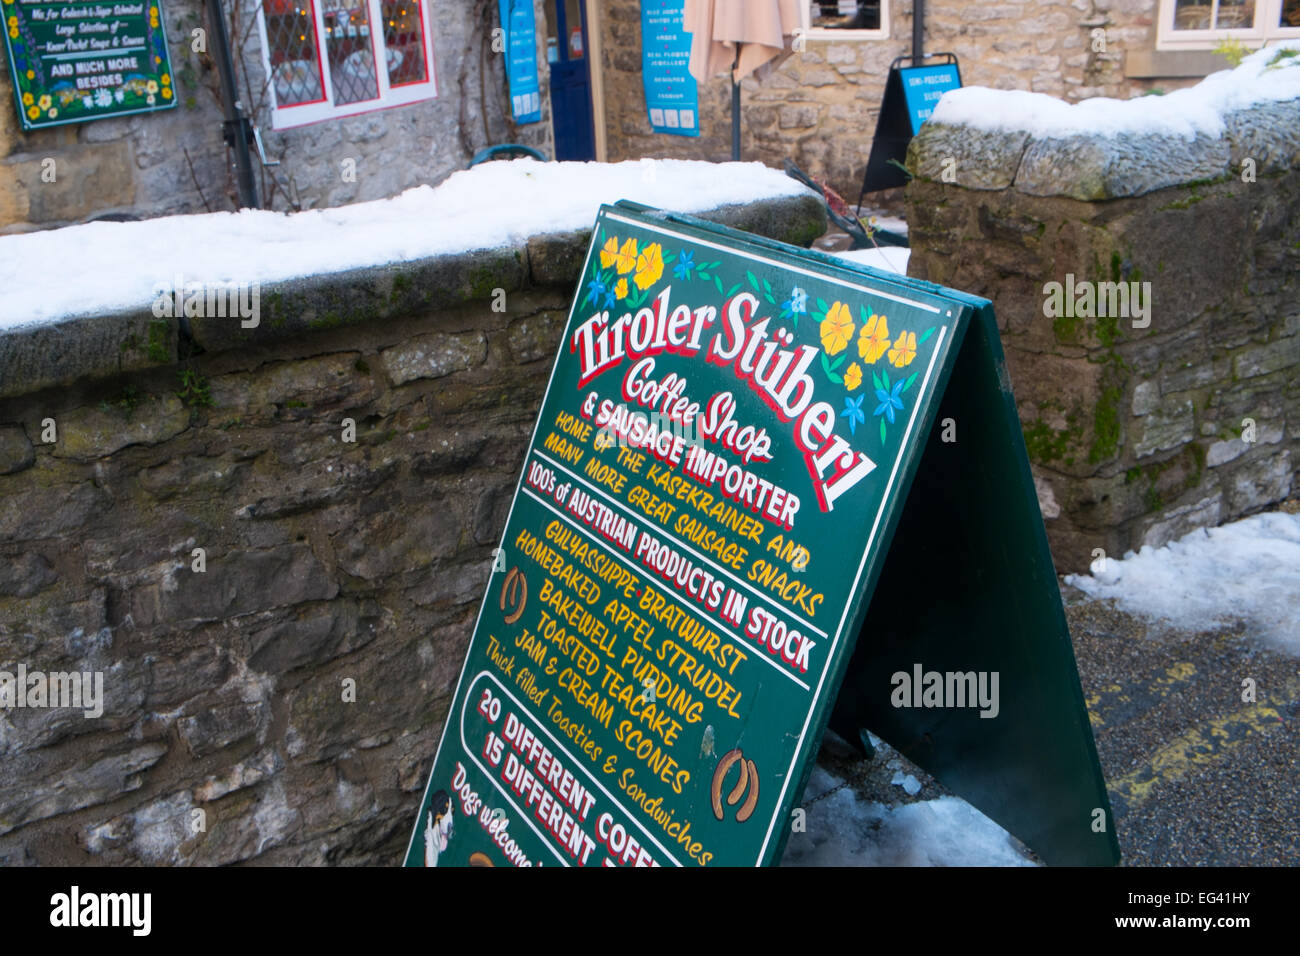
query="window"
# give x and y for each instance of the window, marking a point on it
(1204, 24)
(320, 57)
(846, 19)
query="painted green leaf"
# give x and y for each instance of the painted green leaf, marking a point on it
(733, 289)
(753, 279)
(875, 381)
(908, 384)
(926, 334)
(882, 429)
(717, 280)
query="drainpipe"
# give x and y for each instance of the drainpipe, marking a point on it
(236, 127)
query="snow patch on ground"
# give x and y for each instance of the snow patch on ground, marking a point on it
(107, 266)
(843, 830)
(1184, 113)
(886, 258)
(1246, 571)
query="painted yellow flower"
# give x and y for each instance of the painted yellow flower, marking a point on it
(28, 99)
(44, 102)
(874, 338)
(620, 290)
(836, 329)
(167, 92)
(904, 349)
(609, 252)
(13, 21)
(13, 34)
(33, 112)
(626, 260)
(853, 377)
(649, 266)
(31, 74)
(165, 79)
(623, 259)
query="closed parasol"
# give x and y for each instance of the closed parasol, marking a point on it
(740, 37)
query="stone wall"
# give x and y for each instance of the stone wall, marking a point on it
(820, 106)
(326, 560)
(176, 161)
(1137, 434)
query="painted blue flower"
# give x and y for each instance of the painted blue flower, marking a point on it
(596, 288)
(889, 401)
(797, 304)
(685, 263)
(611, 300)
(853, 412)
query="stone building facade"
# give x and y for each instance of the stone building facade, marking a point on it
(176, 161)
(820, 106)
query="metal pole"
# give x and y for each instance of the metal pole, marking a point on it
(735, 109)
(235, 126)
(918, 30)
(735, 121)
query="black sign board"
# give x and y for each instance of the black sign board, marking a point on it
(910, 96)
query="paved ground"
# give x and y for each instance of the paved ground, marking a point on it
(1196, 775)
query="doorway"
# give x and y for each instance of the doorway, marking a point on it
(568, 53)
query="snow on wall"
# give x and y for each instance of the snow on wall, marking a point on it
(108, 266)
(1185, 113)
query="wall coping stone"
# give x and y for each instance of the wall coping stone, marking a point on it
(1099, 167)
(101, 346)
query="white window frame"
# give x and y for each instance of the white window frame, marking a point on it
(826, 33)
(1267, 12)
(302, 114)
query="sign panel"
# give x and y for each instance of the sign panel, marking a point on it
(671, 96)
(521, 59)
(911, 94)
(922, 88)
(723, 453)
(75, 61)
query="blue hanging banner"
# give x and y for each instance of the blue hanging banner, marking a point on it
(671, 98)
(521, 59)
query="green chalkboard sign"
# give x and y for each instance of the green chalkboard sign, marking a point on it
(75, 61)
(722, 458)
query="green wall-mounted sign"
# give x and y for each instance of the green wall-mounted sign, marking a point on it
(722, 480)
(74, 61)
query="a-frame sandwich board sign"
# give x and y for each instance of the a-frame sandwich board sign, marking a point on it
(723, 474)
(911, 94)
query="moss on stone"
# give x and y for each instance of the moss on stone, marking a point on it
(1067, 329)
(1105, 425)
(157, 347)
(482, 280)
